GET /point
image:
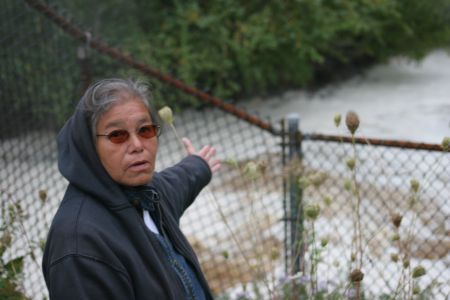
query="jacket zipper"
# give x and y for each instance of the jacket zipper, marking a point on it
(160, 223)
(183, 276)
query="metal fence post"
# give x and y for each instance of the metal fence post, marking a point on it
(84, 60)
(294, 206)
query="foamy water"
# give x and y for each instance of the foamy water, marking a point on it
(398, 100)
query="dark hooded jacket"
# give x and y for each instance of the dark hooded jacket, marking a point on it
(98, 246)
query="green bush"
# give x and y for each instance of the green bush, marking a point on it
(230, 49)
(235, 48)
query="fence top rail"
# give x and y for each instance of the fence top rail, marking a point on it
(372, 141)
(126, 59)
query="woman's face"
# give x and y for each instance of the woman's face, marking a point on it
(132, 162)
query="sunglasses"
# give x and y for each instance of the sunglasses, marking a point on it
(120, 136)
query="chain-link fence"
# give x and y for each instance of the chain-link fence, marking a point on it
(241, 225)
(400, 198)
(43, 74)
(38, 67)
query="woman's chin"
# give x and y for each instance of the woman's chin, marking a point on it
(141, 179)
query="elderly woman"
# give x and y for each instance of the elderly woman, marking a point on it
(116, 233)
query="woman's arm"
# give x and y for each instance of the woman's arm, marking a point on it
(82, 277)
(182, 183)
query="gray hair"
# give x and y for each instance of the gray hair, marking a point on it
(102, 95)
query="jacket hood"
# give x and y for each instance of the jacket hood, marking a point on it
(79, 163)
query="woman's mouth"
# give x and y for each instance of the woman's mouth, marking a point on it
(139, 166)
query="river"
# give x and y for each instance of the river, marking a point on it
(401, 99)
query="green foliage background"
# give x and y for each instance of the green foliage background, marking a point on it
(241, 48)
(232, 49)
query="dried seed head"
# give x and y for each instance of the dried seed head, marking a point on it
(5, 240)
(225, 254)
(43, 195)
(252, 171)
(395, 237)
(396, 219)
(231, 162)
(275, 254)
(303, 182)
(412, 201)
(317, 178)
(414, 185)
(312, 211)
(418, 271)
(293, 168)
(351, 164)
(327, 200)
(348, 185)
(20, 211)
(406, 263)
(42, 244)
(337, 119)
(12, 212)
(263, 166)
(394, 257)
(352, 121)
(356, 275)
(446, 144)
(166, 114)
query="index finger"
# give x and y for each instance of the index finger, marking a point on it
(188, 145)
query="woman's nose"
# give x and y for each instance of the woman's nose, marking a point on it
(135, 143)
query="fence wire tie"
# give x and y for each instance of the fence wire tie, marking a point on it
(88, 36)
(87, 46)
(83, 51)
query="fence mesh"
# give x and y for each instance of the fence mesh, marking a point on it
(38, 65)
(237, 224)
(43, 73)
(385, 178)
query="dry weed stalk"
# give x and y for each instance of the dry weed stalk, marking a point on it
(251, 172)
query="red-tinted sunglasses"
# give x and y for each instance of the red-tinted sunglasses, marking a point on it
(120, 136)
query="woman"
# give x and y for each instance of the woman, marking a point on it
(116, 233)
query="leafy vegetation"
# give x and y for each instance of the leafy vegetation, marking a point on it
(231, 49)
(11, 268)
(17, 248)
(241, 48)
